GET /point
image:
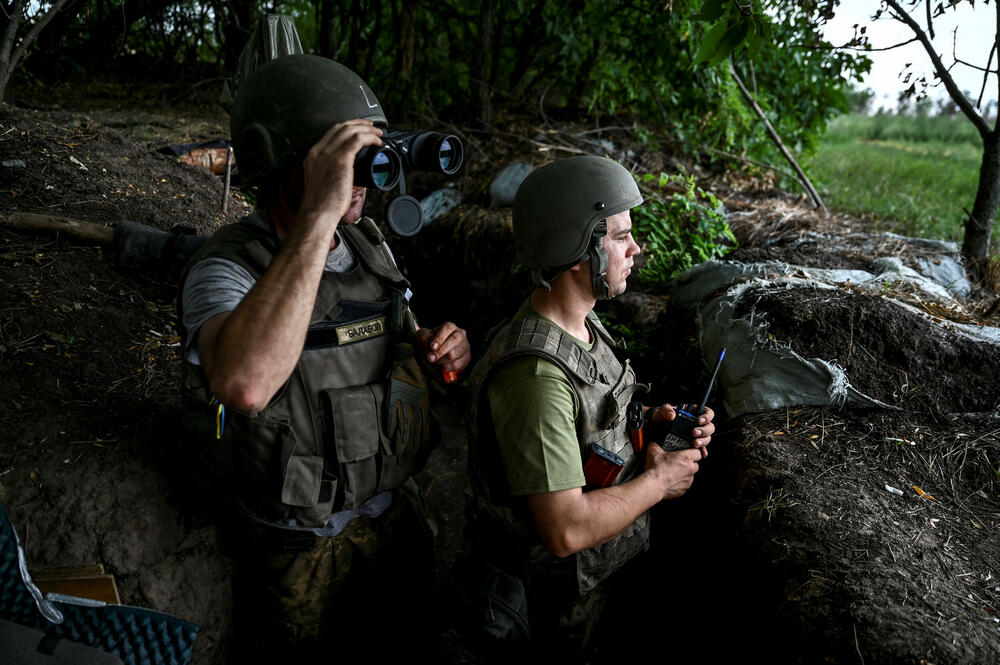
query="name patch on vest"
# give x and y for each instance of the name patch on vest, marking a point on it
(355, 332)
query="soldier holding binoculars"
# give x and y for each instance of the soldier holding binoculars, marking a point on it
(294, 318)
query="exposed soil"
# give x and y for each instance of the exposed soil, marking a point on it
(857, 572)
(789, 545)
(889, 352)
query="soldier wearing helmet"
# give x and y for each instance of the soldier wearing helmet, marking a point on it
(547, 390)
(305, 384)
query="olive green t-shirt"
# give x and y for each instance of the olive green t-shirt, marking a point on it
(534, 411)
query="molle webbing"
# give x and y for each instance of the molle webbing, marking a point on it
(538, 337)
(253, 247)
(604, 386)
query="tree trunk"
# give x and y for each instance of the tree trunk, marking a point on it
(979, 224)
(325, 28)
(12, 53)
(407, 37)
(354, 26)
(481, 61)
(239, 24)
(372, 42)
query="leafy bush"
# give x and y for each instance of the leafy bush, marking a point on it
(678, 231)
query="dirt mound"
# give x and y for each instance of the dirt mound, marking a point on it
(79, 167)
(876, 533)
(888, 351)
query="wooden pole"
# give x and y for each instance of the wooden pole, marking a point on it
(26, 221)
(229, 172)
(803, 178)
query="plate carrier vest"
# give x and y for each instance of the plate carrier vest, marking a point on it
(322, 445)
(502, 524)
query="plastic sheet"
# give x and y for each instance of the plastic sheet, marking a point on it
(274, 37)
(762, 374)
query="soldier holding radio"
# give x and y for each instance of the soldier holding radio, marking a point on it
(560, 494)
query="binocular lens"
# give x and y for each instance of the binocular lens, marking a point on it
(377, 167)
(446, 155)
(381, 169)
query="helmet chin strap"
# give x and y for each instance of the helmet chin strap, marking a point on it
(599, 262)
(598, 259)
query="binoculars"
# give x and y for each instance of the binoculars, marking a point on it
(381, 167)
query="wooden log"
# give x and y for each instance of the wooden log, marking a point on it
(26, 221)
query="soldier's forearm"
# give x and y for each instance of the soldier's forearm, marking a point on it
(251, 352)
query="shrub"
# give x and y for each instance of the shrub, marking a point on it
(678, 230)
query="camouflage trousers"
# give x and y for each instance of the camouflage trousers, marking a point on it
(563, 620)
(350, 591)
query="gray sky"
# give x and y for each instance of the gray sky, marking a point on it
(976, 32)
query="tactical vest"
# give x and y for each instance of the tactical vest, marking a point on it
(322, 445)
(503, 524)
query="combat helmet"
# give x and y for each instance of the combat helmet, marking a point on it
(287, 104)
(559, 213)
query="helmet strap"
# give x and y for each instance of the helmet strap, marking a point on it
(599, 262)
(538, 279)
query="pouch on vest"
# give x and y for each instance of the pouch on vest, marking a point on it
(357, 437)
(266, 462)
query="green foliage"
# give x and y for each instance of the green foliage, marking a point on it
(910, 185)
(914, 129)
(678, 231)
(767, 507)
(859, 100)
(796, 77)
(666, 64)
(639, 344)
(736, 26)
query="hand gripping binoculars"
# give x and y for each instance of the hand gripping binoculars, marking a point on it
(381, 167)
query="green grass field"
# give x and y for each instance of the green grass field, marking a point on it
(911, 175)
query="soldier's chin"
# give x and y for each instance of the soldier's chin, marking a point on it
(352, 215)
(617, 291)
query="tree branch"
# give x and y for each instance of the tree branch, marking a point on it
(848, 47)
(18, 53)
(942, 72)
(802, 177)
(954, 55)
